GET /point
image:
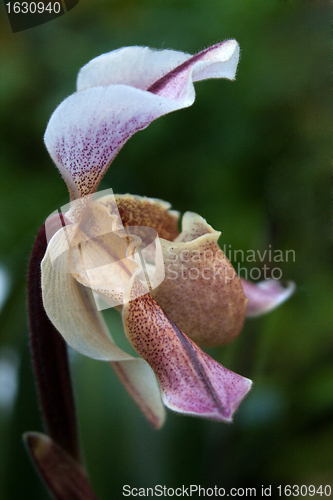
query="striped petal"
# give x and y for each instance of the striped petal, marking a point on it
(191, 381)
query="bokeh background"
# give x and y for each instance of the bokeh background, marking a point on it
(252, 157)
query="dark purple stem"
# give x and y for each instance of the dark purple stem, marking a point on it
(50, 361)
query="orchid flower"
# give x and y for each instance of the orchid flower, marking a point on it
(175, 290)
(118, 94)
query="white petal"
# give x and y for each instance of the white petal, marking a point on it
(218, 61)
(265, 296)
(71, 309)
(201, 292)
(89, 128)
(137, 67)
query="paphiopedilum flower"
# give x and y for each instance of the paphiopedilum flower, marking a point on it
(118, 94)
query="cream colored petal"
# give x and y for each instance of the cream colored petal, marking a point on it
(105, 267)
(194, 226)
(71, 309)
(105, 260)
(265, 295)
(140, 382)
(191, 381)
(66, 303)
(201, 291)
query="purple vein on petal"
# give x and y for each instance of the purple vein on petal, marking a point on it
(190, 380)
(198, 367)
(172, 84)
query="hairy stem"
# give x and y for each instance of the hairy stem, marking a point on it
(50, 362)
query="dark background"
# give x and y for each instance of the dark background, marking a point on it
(252, 157)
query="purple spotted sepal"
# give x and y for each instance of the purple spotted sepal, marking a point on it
(65, 477)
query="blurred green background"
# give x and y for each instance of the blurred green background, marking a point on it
(252, 157)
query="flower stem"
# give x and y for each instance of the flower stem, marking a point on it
(50, 362)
